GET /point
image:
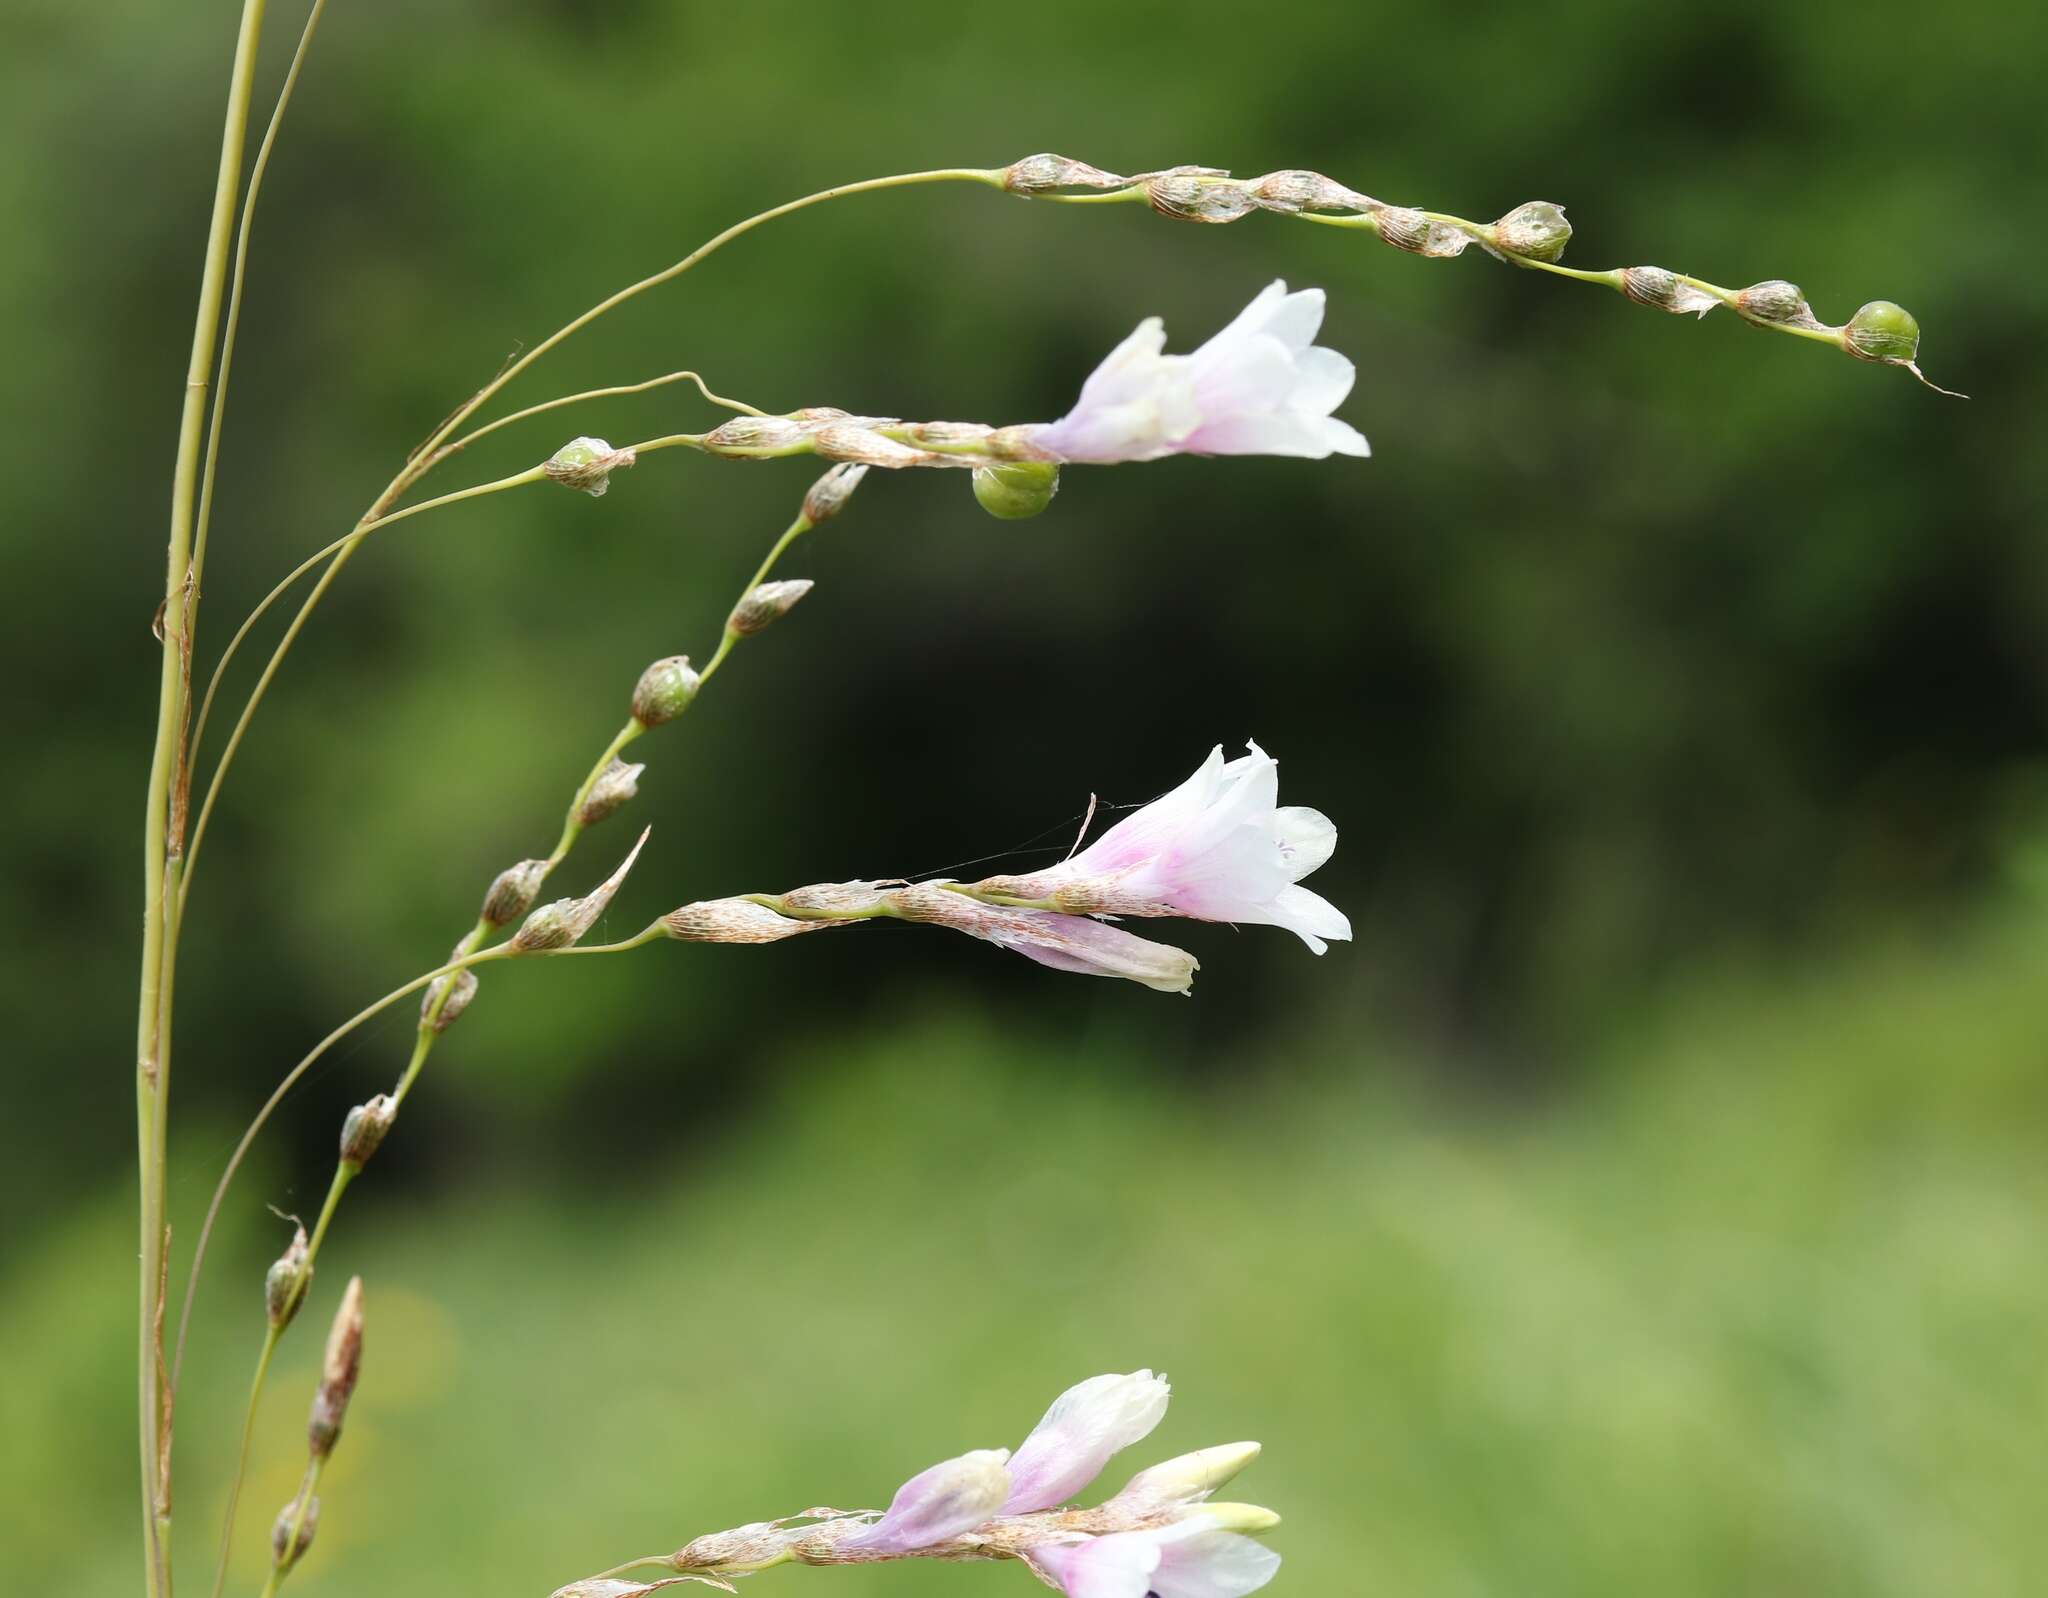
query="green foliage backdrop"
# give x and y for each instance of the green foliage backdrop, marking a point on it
(1648, 1200)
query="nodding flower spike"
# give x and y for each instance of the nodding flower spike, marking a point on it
(563, 923)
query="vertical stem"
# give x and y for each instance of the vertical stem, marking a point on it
(163, 823)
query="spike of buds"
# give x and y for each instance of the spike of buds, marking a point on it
(586, 464)
(284, 1284)
(616, 784)
(829, 494)
(563, 923)
(512, 892)
(362, 1132)
(664, 691)
(281, 1531)
(1016, 491)
(339, 1369)
(766, 604)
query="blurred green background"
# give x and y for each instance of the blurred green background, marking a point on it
(1651, 1199)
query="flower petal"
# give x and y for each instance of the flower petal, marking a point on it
(1084, 1427)
(939, 1504)
(1211, 1564)
(1307, 838)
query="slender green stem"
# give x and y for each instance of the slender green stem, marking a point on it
(163, 819)
(271, 1333)
(562, 400)
(257, 169)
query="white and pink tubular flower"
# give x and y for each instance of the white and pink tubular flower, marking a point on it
(1262, 386)
(1220, 847)
(1160, 1535)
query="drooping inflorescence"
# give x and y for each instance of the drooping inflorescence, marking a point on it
(1532, 235)
(1159, 1535)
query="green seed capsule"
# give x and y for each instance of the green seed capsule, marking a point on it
(1019, 490)
(1882, 331)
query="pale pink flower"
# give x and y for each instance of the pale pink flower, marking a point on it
(936, 1505)
(1217, 848)
(1189, 1559)
(1085, 1426)
(1260, 387)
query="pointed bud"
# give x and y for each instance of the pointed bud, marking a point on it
(558, 925)
(756, 435)
(284, 1284)
(1040, 174)
(512, 892)
(1234, 1517)
(1196, 194)
(1292, 191)
(845, 441)
(664, 691)
(829, 494)
(616, 784)
(1190, 1478)
(1776, 301)
(281, 1532)
(586, 464)
(735, 921)
(765, 605)
(936, 1505)
(339, 1369)
(1536, 231)
(1882, 331)
(1015, 492)
(363, 1130)
(1665, 291)
(446, 998)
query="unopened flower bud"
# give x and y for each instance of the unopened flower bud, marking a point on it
(558, 925)
(1776, 300)
(1408, 229)
(281, 1532)
(829, 494)
(616, 784)
(766, 604)
(586, 464)
(363, 1130)
(1296, 190)
(512, 892)
(1197, 194)
(446, 998)
(664, 691)
(1664, 290)
(1536, 231)
(1016, 491)
(284, 1284)
(339, 1368)
(1189, 1478)
(735, 921)
(755, 435)
(846, 441)
(1235, 1517)
(1882, 331)
(1039, 174)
